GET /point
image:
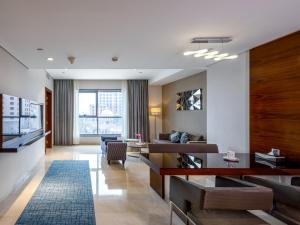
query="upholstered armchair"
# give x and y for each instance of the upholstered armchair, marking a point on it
(105, 140)
(116, 151)
(226, 203)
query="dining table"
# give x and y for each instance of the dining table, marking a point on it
(215, 164)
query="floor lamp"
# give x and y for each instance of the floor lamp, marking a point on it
(155, 111)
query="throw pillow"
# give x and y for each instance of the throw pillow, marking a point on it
(175, 137)
(184, 138)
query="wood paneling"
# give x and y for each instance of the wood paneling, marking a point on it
(48, 117)
(1, 112)
(275, 96)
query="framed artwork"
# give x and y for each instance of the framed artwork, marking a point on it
(189, 100)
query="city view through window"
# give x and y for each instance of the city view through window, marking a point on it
(100, 112)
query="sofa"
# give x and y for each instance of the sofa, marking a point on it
(164, 138)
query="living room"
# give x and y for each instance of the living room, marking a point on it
(128, 113)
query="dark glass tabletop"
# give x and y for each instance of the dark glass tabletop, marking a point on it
(210, 163)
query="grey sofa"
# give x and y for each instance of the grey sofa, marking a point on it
(286, 199)
(226, 203)
(164, 138)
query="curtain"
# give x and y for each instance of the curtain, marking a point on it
(125, 110)
(138, 105)
(63, 112)
(76, 134)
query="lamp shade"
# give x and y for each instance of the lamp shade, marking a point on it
(155, 110)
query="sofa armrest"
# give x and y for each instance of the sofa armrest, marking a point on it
(164, 136)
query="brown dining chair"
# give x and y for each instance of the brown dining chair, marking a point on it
(295, 181)
(286, 199)
(226, 203)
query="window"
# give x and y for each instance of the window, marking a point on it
(100, 112)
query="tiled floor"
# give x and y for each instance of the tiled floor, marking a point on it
(121, 196)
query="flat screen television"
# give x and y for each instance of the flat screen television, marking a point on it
(20, 116)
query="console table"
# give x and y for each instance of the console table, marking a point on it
(187, 164)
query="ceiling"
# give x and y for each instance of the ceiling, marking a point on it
(150, 35)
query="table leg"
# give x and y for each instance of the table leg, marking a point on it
(157, 182)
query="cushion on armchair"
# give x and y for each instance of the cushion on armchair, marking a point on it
(104, 138)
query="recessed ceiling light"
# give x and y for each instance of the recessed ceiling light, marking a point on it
(50, 59)
(40, 49)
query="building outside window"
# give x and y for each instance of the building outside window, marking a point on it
(100, 112)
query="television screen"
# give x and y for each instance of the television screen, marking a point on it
(20, 116)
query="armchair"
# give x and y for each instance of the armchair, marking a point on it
(105, 140)
(227, 203)
(116, 151)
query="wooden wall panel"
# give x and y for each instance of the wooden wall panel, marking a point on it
(1, 125)
(275, 96)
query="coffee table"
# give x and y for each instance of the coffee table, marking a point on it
(137, 147)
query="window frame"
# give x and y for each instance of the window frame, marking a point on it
(96, 116)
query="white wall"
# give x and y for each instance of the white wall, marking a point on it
(16, 80)
(155, 100)
(228, 104)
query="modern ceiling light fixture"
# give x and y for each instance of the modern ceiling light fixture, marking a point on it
(209, 53)
(50, 59)
(201, 51)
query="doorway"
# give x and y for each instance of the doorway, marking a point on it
(48, 118)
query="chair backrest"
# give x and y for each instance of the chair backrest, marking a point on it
(235, 194)
(241, 196)
(183, 148)
(116, 151)
(284, 194)
(295, 181)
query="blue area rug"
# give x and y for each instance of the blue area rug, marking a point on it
(64, 197)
